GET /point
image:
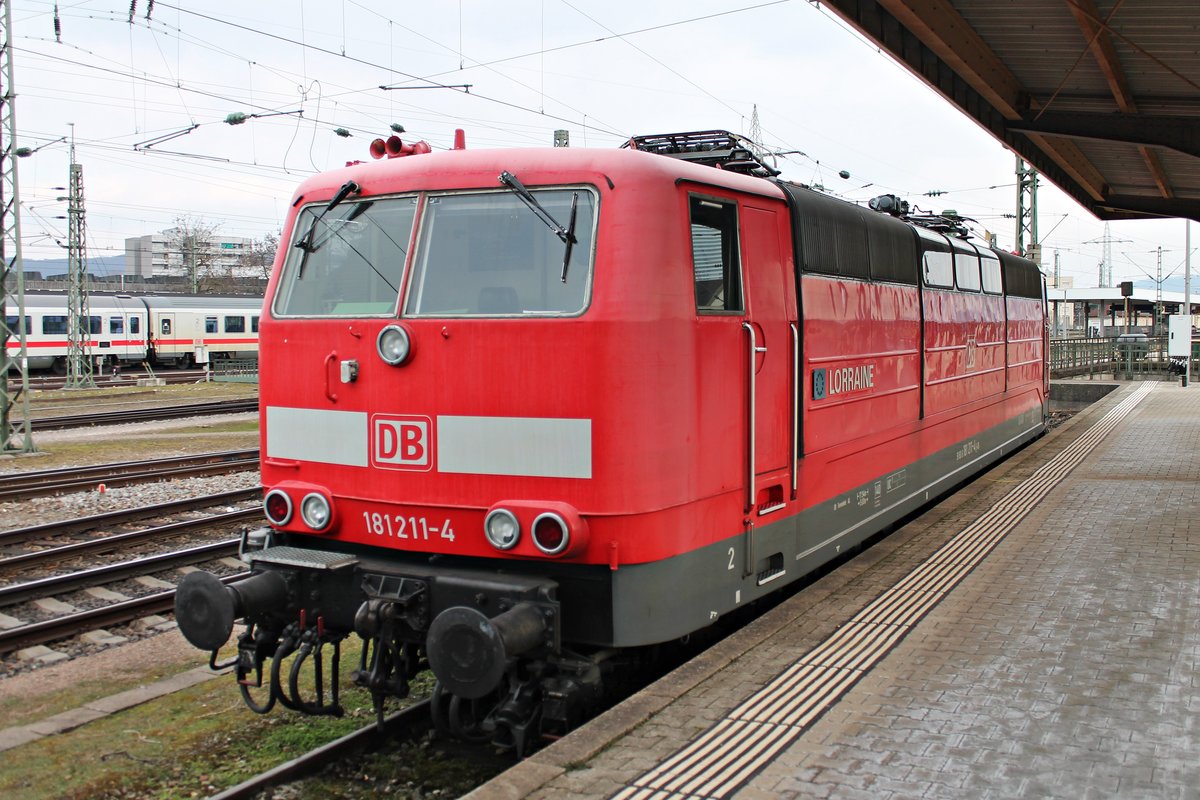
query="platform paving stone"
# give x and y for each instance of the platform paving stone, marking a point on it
(1064, 665)
(102, 707)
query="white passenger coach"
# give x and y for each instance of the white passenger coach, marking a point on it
(124, 328)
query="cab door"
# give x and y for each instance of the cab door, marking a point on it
(772, 342)
(748, 344)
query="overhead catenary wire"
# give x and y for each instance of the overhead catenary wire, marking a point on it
(167, 83)
(308, 46)
(272, 77)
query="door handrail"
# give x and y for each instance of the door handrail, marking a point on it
(795, 404)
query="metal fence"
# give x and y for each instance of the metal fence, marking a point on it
(1145, 358)
(234, 370)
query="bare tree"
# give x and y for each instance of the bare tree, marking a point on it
(220, 278)
(192, 239)
(258, 257)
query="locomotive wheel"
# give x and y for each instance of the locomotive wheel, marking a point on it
(459, 717)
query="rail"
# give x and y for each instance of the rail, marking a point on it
(120, 613)
(237, 406)
(25, 485)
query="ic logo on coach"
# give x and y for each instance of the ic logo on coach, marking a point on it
(401, 442)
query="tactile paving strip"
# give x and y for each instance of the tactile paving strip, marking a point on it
(724, 757)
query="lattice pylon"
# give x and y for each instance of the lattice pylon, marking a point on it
(15, 427)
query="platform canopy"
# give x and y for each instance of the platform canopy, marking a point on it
(1100, 96)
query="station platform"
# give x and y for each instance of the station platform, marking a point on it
(1036, 634)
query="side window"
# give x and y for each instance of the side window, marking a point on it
(135, 324)
(966, 272)
(991, 274)
(166, 326)
(13, 322)
(210, 324)
(254, 323)
(54, 324)
(235, 324)
(937, 262)
(116, 325)
(716, 266)
(95, 325)
(938, 269)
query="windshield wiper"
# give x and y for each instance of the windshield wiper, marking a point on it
(567, 234)
(306, 241)
(570, 237)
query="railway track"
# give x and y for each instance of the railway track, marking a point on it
(24, 485)
(69, 625)
(51, 382)
(143, 414)
(55, 561)
(112, 518)
(407, 723)
(106, 544)
(60, 584)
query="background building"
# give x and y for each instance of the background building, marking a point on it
(183, 253)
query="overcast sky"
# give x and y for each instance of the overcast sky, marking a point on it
(601, 70)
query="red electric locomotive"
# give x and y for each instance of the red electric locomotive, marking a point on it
(522, 409)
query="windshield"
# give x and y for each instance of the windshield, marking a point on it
(348, 263)
(488, 254)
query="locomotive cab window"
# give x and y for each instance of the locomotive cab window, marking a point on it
(347, 261)
(716, 267)
(488, 254)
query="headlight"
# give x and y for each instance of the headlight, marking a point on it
(315, 511)
(502, 529)
(393, 345)
(550, 533)
(278, 507)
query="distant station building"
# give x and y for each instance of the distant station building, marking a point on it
(1107, 312)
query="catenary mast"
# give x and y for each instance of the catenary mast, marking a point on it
(1027, 227)
(14, 414)
(79, 365)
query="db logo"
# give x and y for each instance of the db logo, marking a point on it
(401, 442)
